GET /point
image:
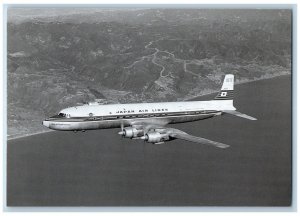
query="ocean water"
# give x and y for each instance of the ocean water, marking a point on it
(99, 168)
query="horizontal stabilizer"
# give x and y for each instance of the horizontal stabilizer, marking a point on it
(236, 113)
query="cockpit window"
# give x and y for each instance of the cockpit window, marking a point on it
(62, 114)
(59, 115)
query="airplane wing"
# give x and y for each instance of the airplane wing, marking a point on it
(149, 124)
(176, 134)
(187, 137)
(161, 122)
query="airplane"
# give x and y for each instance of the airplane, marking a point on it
(148, 121)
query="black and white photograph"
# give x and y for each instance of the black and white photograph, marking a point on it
(149, 106)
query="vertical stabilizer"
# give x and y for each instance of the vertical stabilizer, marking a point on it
(226, 92)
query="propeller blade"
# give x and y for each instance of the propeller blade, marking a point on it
(122, 129)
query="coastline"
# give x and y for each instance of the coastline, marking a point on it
(240, 83)
(18, 136)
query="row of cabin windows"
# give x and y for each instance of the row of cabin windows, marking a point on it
(136, 116)
(142, 116)
(91, 115)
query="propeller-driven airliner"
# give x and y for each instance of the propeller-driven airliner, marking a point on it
(148, 121)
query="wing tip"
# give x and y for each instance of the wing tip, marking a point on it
(223, 146)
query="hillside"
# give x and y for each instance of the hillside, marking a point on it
(62, 58)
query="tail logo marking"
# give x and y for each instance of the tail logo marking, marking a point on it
(223, 94)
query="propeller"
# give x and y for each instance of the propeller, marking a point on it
(122, 129)
(144, 136)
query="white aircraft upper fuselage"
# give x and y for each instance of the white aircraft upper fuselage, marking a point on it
(147, 120)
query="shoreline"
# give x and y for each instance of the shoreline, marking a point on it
(239, 83)
(13, 137)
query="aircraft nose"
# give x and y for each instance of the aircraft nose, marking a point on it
(46, 123)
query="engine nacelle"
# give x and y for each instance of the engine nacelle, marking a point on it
(156, 137)
(131, 132)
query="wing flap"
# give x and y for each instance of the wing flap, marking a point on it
(187, 137)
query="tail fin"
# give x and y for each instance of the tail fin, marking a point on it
(226, 92)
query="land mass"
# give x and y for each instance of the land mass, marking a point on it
(58, 59)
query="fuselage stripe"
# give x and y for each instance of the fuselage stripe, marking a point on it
(133, 116)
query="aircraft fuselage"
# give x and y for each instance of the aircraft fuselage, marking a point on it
(92, 117)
